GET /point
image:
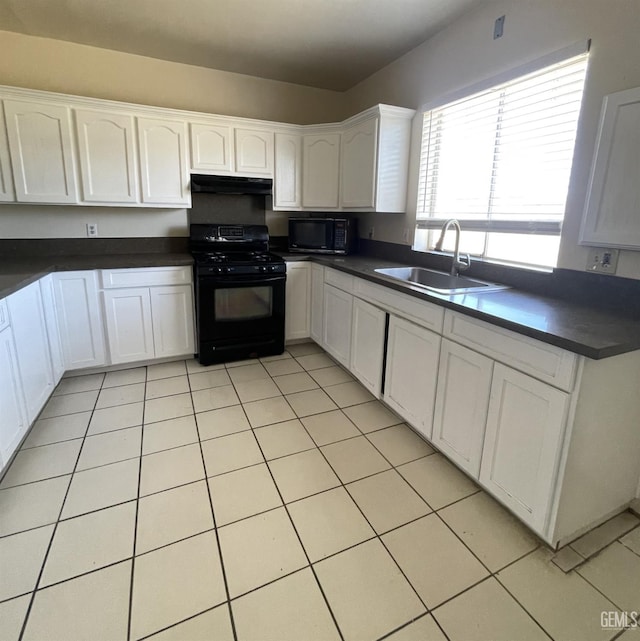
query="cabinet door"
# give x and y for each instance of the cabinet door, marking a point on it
(53, 332)
(611, 212)
(320, 170)
(41, 152)
(297, 301)
(172, 317)
(32, 347)
(211, 148)
(462, 400)
(106, 154)
(338, 307)
(163, 162)
(79, 319)
(317, 303)
(358, 165)
(7, 192)
(127, 315)
(12, 407)
(523, 442)
(367, 345)
(254, 152)
(287, 185)
(411, 372)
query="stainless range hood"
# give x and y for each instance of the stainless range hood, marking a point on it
(205, 184)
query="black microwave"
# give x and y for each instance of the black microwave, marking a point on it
(323, 235)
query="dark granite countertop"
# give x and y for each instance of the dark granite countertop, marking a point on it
(18, 272)
(575, 327)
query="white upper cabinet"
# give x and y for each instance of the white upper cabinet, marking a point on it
(106, 144)
(321, 170)
(41, 146)
(375, 160)
(7, 193)
(612, 211)
(358, 168)
(253, 152)
(211, 148)
(163, 162)
(287, 184)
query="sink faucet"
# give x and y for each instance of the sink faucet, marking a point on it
(457, 265)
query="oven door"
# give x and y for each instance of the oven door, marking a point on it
(239, 316)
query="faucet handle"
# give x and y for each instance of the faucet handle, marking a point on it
(464, 262)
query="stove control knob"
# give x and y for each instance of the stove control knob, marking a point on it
(263, 268)
(219, 270)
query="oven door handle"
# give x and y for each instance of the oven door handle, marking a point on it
(252, 280)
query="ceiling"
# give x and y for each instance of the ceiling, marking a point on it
(331, 44)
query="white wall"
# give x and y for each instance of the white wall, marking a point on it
(466, 53)
(54, 65)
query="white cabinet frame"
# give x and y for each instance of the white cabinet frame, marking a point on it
(612, 211)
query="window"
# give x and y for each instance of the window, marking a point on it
(499, 161)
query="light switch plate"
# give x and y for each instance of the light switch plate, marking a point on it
(602, 260)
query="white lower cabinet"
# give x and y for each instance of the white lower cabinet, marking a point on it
(550, 434)
(297, 308)
(32, 347)
(79, 319)
(14, 421)
(367, 345)
(462, 401)
(172, 318)
(523, 442)
(127, 315)
(411, 372)
(338, 309)
(53, 331)
(317, 303)
(153, 320)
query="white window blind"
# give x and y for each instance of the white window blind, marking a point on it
(500, 160)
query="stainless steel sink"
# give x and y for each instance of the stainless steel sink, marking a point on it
(439, 282)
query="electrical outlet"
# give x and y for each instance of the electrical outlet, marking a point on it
(371, 233)
(603, 261)
(498, 28)
(406, 235)
(92, 230)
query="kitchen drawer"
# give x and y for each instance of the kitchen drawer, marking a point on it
(418, 311)
(339, 279)
(145, 277)
(545, 362)
(4, 314)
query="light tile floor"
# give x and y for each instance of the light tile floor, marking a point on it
(270, 500)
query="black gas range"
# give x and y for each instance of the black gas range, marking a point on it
(240, 292)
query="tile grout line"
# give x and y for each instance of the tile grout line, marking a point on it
(342, 484)
(379, 537)
(135, 521)
(213, 517)
(55, 525)
(291, 521)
